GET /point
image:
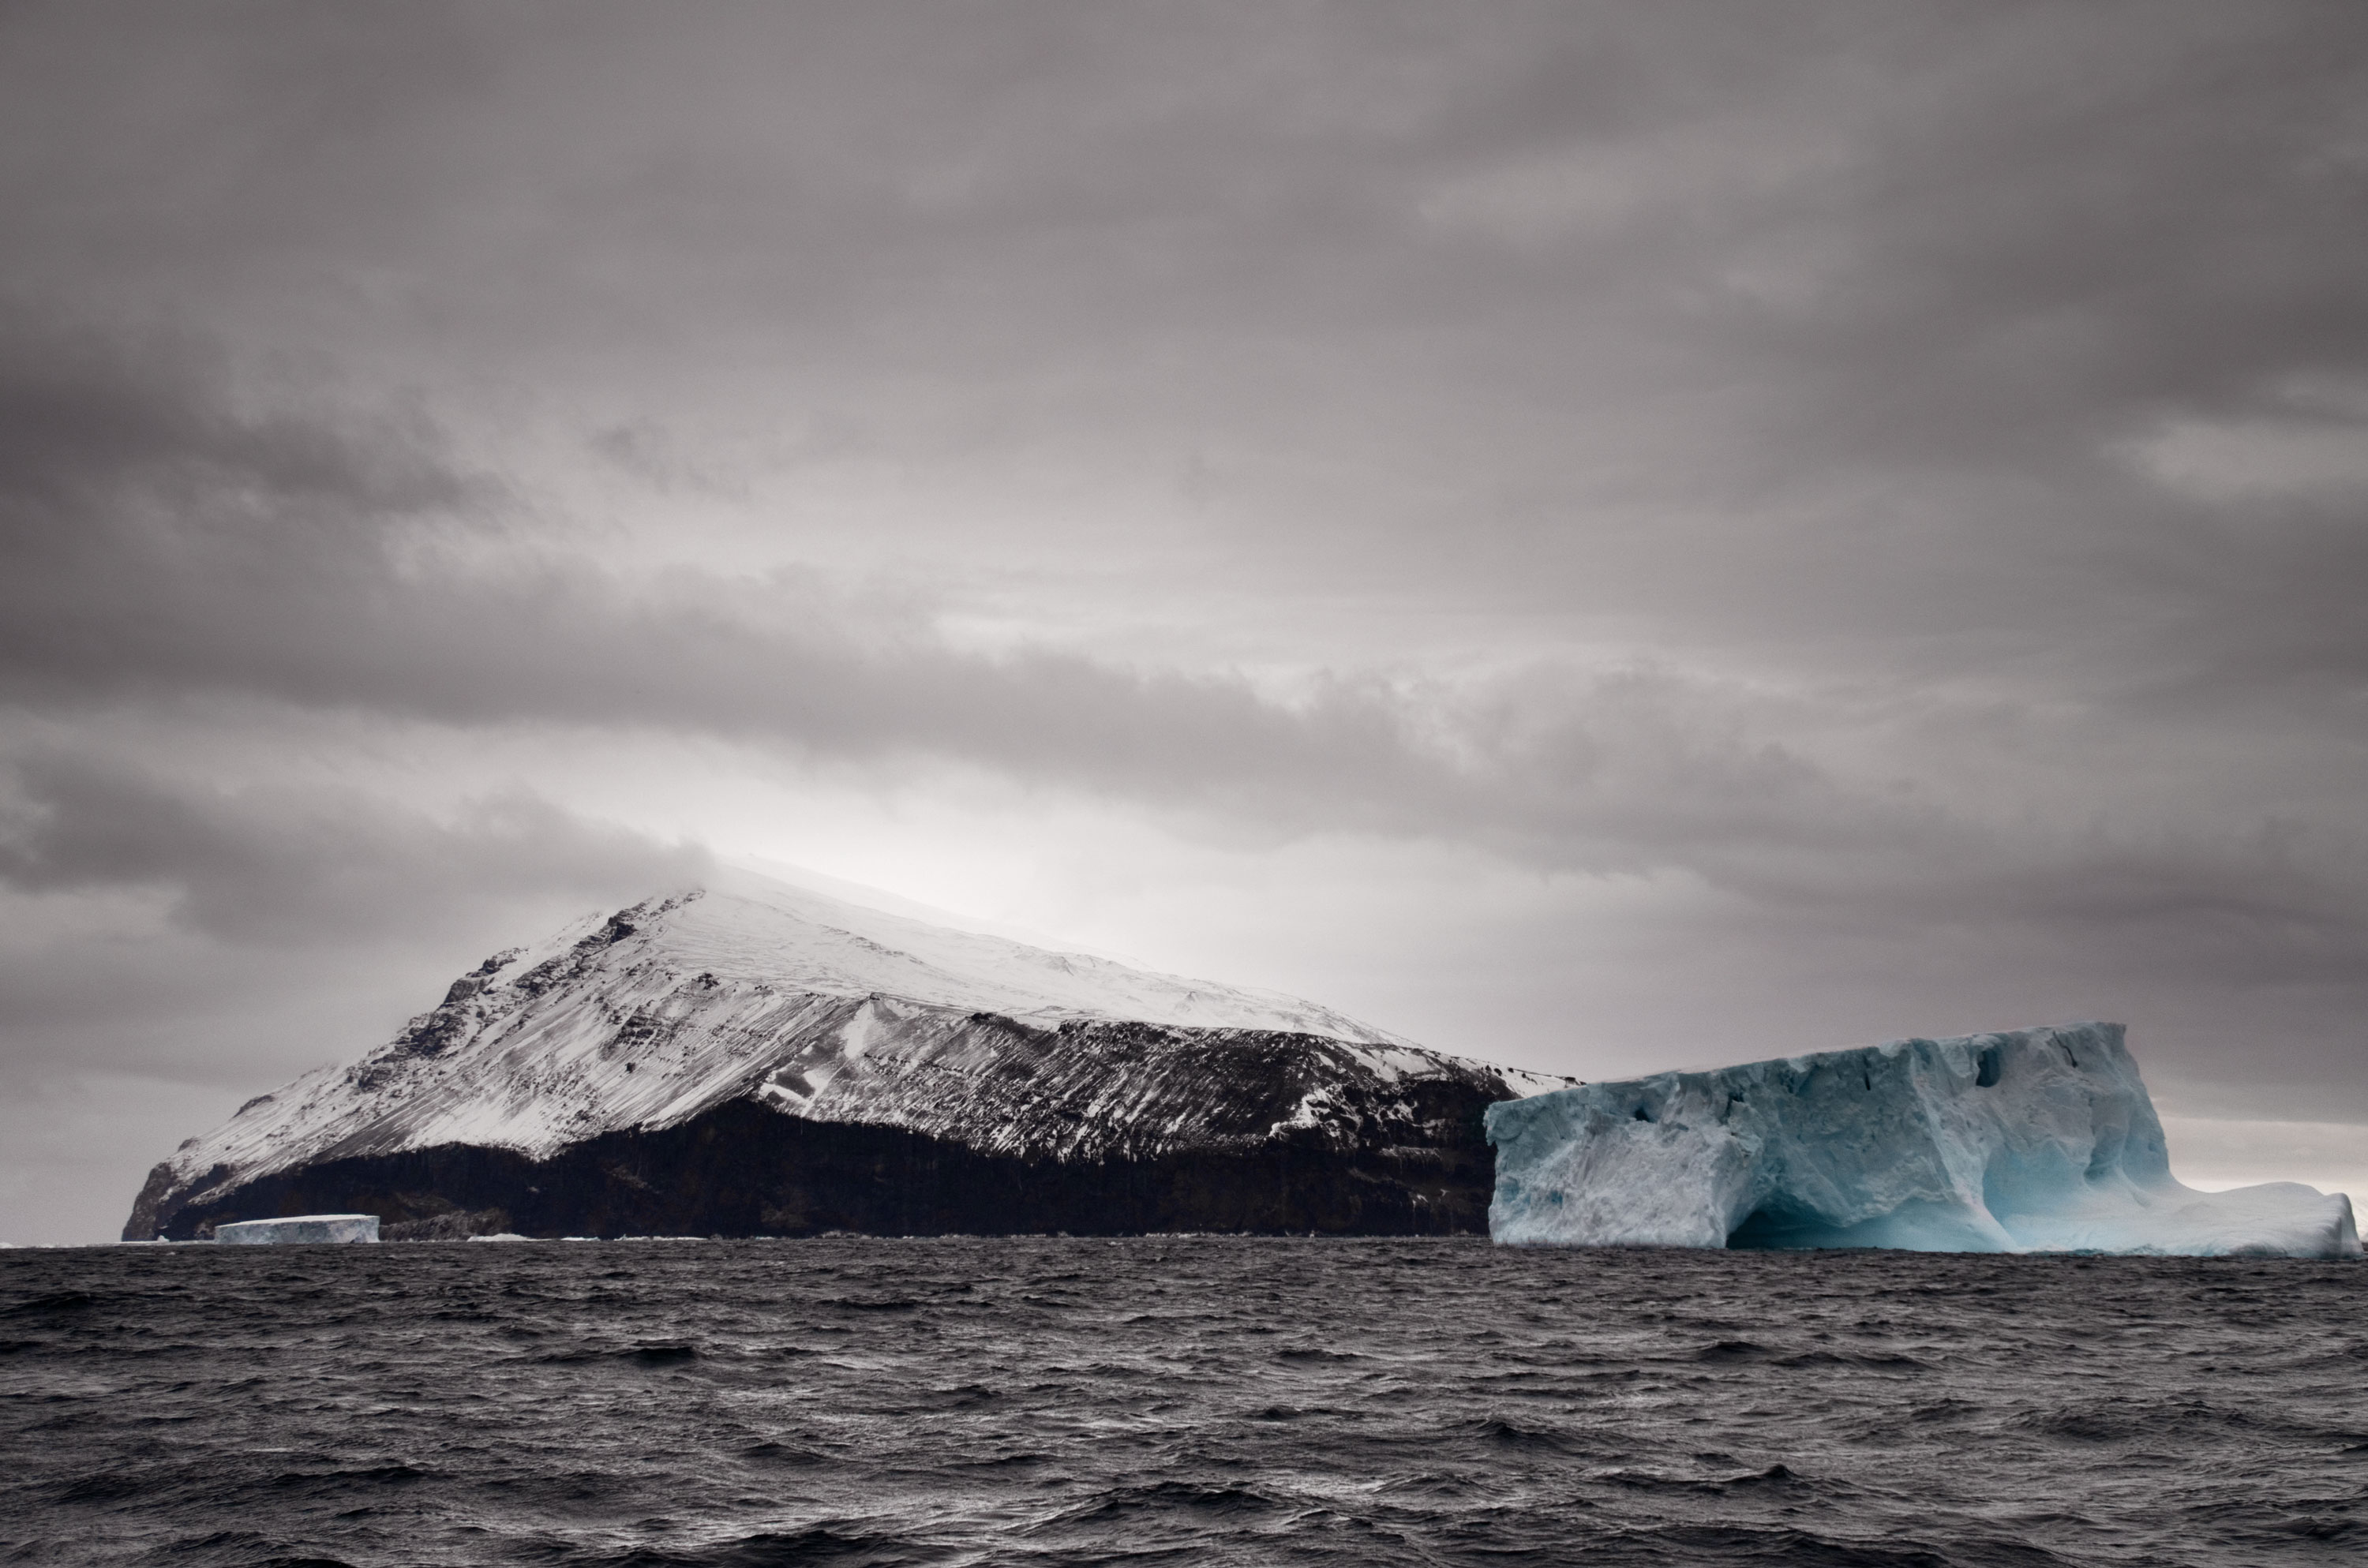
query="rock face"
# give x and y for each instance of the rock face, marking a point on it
(755, 1059)
(2037, 1141)
(334, 1228)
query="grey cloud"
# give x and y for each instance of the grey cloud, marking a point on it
(1814, 342)
(170, 949)
(295, 867)
(93, 423)
(195, 551)
(1978, 240)
(193, 565)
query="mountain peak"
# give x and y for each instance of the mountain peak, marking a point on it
(760, 928)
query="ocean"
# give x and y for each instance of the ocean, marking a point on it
(1173, 1400)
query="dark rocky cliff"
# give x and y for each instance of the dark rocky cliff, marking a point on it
(741, 1170)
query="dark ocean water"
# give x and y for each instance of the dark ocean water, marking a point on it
(1173, 1400)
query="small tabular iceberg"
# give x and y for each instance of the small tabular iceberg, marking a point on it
(300, 1228)
(2036, 1140)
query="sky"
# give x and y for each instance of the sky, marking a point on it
(1604, 537)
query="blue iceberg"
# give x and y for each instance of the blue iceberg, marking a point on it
(2033, 1140)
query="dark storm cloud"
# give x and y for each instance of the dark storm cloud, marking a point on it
(2094, 226)
(144, 522)
(291, 867)
(168, 947)
(179, 547)
(1854, 343)
(1909, 273)
(1819, 256)
(92, 424)
(162, 544)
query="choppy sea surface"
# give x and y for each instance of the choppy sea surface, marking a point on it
(1173, 1400)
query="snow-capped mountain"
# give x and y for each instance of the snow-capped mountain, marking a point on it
(549, 1086)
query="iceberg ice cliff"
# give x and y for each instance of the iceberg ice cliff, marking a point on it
(2034, 1140)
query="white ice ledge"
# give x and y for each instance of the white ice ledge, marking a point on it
(299, 1228)
(2034, 1140)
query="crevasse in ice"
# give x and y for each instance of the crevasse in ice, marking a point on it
(2034, 1140)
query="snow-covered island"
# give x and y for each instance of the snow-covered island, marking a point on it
(753, 1058)
(2034, 1140)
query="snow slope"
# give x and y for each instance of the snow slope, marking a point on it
(2037, 1141)
(826, 1010)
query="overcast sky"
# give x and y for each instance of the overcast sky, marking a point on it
(1604, 537)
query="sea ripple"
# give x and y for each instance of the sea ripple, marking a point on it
(1173, 1400)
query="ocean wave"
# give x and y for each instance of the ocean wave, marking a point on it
(1041, 1403)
